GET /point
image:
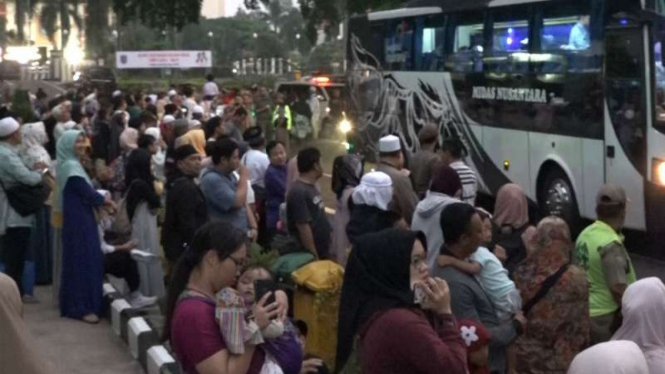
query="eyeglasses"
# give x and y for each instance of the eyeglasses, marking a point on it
(417, 262)
(238, 263)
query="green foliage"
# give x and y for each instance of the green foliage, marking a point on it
(96, 28)
(63, 11)
(21, 105)
(159, 14)
(327, 57)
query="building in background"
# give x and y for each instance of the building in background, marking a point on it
(213, 8)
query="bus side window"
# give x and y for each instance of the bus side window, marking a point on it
(510, 46)
(430, 48)
(564, 40)
(398, 45)
(467, 47)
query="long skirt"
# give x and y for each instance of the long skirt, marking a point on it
(57, 264)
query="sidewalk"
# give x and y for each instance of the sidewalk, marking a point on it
(647, 267)
(75, 347)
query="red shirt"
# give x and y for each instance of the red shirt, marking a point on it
(195, 335)
(402, 341)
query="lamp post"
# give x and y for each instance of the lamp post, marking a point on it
(210, 36)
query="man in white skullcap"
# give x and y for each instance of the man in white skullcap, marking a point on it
(14, 227)
(371, 206)
(391, 162)
(197, 113)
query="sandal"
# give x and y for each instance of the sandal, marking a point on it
(91, 319)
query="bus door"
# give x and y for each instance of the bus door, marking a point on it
(626, 113)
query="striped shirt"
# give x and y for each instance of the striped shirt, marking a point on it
(469, 182)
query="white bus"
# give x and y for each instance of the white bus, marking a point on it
(559, 97)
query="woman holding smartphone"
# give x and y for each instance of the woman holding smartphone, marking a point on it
(212, 262)
(401, 317)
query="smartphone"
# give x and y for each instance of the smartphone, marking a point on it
(262, 287)
(419, 294)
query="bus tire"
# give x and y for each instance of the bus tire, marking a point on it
(557, 198)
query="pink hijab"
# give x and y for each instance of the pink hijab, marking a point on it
(129, 139)
(643, 308)
(511, 207)
(17, 346)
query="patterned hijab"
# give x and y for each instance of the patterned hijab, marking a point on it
(17, 353)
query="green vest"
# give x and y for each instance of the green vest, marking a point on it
(287, 114)
(587, 255)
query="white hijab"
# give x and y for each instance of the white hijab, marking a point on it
(643, 308)
(615, 357)
(375, 189)
(34, 139)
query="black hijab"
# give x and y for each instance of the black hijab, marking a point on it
(139, 168)
(377, 278)
(347, 171)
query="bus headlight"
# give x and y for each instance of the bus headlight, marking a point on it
(345, 126)
(659, 171)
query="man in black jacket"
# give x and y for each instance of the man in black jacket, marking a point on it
(186, 209)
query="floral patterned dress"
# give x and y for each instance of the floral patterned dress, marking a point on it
(558, 325)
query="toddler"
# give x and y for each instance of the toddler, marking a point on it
(234, 317)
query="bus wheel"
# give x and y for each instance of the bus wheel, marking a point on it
(557, 198)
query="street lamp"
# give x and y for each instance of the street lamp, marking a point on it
(255, 35)
(298, 36)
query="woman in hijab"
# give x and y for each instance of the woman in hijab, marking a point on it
(128, 143)
(445, 189)
(82, 262)
(17, 354)
(400, 317)
(159, 158)
(643, 309)
(616, 357)
(558, 325)
(347, 171)
(511, 217)
(370, 206)
(142, 201)
(197, 139)
(33, 152)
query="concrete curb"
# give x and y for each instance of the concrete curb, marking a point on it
(141, 340)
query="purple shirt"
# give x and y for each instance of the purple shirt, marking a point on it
(195, 335)
(275, 182)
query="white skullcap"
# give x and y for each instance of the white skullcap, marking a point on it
(389, 143)
(168, 119)
(172, 93)
(154, 132)
(375, 189)
(153, 98)
(197, 109)
(117, 93)
(8, 126)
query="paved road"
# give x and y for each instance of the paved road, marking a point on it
(74, 347)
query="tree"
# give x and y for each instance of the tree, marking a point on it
(96, 27)
(64, 11)
(24, 10)
(159, 14)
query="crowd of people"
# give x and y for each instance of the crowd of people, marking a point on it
(432, 283)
